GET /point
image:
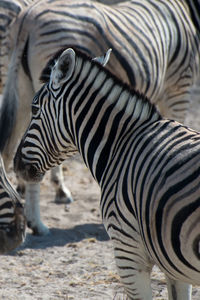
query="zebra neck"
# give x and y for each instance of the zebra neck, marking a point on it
(103, 113)
(194, 9)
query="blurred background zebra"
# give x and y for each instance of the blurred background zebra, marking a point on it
(9, 10)
(12, 219)
(155, 49)
(147, 167)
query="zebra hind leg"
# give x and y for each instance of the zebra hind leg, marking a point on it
(63, 195)
(178, 290)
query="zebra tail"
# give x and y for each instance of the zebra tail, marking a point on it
(10, 100)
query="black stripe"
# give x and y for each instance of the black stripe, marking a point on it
(24, 60)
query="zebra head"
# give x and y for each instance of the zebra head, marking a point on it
(12, 218)
(49, 139)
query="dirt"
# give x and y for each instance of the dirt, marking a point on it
(75, 261)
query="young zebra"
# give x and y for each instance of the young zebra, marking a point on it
(12, 219)
(146, 166)
(155, 48)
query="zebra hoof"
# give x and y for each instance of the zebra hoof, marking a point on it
(39, 229)
(63, 196)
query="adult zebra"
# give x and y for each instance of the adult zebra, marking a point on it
(155, 48)
(10, 10)
(146, 166)
(12, 219)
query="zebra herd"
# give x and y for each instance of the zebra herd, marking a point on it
(146, 163)
(157, 55)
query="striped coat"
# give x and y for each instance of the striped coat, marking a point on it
(147, 167)
(155, 47)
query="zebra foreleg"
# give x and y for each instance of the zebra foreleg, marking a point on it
(178, 290)
(63, 195)
(32, 210)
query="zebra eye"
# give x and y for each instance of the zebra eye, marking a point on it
(35, 109)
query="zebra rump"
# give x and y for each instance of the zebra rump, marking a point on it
(9, 9)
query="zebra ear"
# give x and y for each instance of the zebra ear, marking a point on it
(63, 68)
(103, 60)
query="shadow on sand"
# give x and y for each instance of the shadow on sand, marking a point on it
(61, 237)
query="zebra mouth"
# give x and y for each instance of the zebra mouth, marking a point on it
(30, 174)
(28, 171)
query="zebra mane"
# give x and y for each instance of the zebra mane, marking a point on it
(45, 76)
(194, 8)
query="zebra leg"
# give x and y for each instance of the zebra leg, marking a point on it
(63, 195)
(178, 290)
(135, 276)
(32, 209)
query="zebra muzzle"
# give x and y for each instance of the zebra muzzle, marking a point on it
(29, 172)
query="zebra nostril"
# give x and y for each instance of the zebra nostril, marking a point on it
(32, 174)
(32, 171)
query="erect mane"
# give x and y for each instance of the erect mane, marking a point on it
(45, 75)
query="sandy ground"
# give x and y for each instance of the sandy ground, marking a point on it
(74, 262)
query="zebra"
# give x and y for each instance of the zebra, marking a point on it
(12, 218)
(147, 168)
(155, 49)
(9, 12)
